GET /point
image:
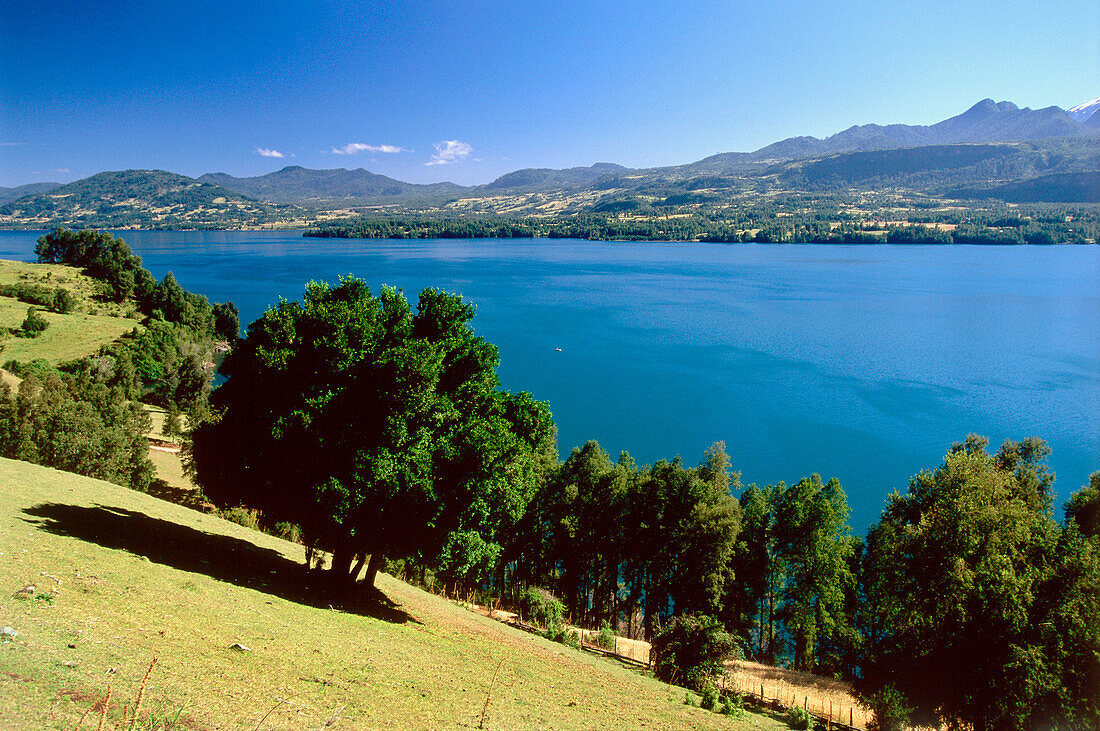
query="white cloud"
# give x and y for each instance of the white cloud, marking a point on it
(354, 148)
(450, 151)
(62, 170)
(264, 152)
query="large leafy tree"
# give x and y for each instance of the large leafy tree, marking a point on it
(814, 549)
(981, 610)
(378, 430)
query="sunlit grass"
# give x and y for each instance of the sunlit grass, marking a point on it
(131, 577)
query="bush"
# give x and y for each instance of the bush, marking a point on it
(733, 704)
(242, 516)
(35, 324)
(606, 639)
(710, 696)
(541, 607)
(63, 301)
(173, 425)
(288, 532)
(798, 718)
(691, 650)
(889, 708)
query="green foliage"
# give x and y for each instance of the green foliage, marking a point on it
(606, 638)
(890, 708)
(227, 321)
(540, 606)
(613, 539)
(691, 650)
(288, 532)
(75, 424)
(813, 551)
(241, 515)
(799, 718)
(733, 704)
(981, 610)
(710, 697)
(380, 431)
(57, 299)
(171, 353)
(34, 325)
(1083, 507)
(173, 427)
(63, 302)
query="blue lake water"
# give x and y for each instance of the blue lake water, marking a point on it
(860, 362)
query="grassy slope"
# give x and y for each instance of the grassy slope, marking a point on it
(135, 577)
(91, 325)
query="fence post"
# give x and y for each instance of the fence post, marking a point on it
(851, 720)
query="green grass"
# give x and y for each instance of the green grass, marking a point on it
(131, 577)
(68, 337)
(93, 323)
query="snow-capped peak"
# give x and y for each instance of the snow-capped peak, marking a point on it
(1082, 112)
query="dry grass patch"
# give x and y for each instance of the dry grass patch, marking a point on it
(795, 688)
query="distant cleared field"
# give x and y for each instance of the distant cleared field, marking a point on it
(92, 324)
(120, 577)
(68, 337)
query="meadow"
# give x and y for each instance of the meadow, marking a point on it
(121, 577)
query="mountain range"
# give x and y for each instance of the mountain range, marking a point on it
(992, 148)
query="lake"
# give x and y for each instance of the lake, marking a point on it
(860, 362)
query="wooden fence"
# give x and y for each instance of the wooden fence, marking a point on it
(825, 716)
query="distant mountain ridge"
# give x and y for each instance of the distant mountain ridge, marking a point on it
(296, 184)
(10, 194)
(1086, 111)
(987, 121)
(154, 198)
(992, 149)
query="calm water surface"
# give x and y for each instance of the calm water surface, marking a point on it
(860, 362)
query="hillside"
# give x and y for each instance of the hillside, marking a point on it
(296, 184)
(120, 577)
(140, 198)
(77, 334)
(10, 194)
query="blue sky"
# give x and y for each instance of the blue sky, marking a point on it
(465, 91)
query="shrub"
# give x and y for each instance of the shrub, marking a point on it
(606, 639)
(172, 425)
(63, 301)
(288, 532)
(889, 708)
(798, 718)
(692, 648)
(733, 704)
(710, 696)
(35, 324)
(541, 607)
(241, 515)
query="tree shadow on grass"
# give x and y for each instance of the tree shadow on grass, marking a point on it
(228, 559)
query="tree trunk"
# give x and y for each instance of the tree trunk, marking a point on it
(341, 565)
(376, 559)
(362, 559)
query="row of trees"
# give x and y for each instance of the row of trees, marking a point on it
(797, 226)
(384, 433)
